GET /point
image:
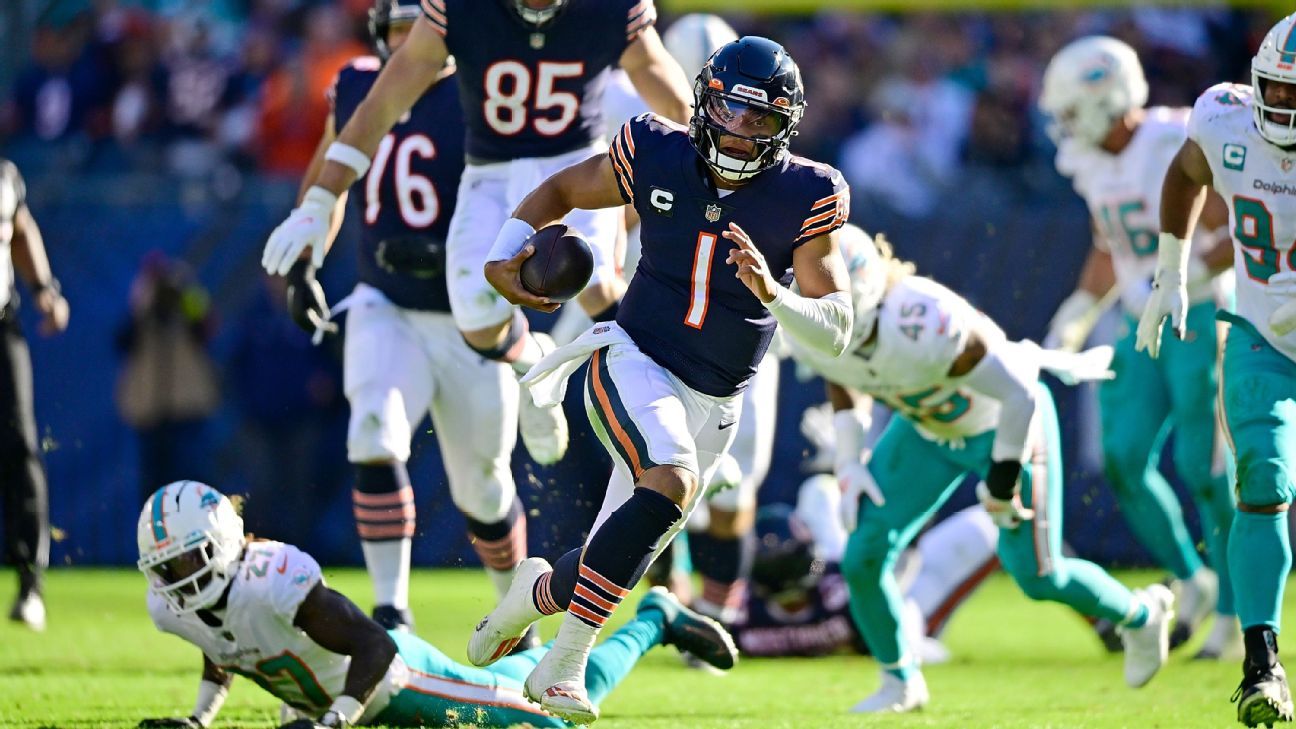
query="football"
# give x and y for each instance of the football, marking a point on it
(561, 265)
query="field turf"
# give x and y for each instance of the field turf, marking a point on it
(1016, 664)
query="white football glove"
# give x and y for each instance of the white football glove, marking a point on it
(1169, 299)
(307, 226)
(1283, 319)
(1005, 513)
(1071, 322)
(856, 482)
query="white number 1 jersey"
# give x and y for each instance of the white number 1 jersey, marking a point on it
(1258, 181)
(922, 327)
(1123, 192)
(257, 638)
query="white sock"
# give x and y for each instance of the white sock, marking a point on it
(388, 562)
(501, 579)
(574, 641)
(534, 346)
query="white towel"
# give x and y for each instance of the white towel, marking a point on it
(547, 379)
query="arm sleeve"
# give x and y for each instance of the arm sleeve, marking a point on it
(1008, 373)
(822, 324)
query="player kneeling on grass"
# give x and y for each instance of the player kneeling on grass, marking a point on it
(261, 609)
(969, 401)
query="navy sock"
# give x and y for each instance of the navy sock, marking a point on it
(725, 566)
(553, 592)
(502, 544)
(383, 502)
(618, 554)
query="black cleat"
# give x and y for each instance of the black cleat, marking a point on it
(1263, 696)
(1106, 631)
(390, 618)
(691, 632)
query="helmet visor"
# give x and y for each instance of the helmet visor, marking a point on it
(742, 119)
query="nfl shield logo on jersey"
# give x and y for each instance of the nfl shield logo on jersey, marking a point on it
(712, 212)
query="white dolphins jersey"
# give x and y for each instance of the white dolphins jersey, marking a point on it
(257, 638)
(1123, 192)
(922, 327)
(1258, 181)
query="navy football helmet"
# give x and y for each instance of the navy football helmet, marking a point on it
(536, 19)
(787, 560)
(383, 14)
(749, 89)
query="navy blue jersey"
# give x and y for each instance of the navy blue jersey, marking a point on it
(822, 625)
(535, 94)
(410, 189)
(685, 308)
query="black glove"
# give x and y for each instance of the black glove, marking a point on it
(305, 295)
(187, 722)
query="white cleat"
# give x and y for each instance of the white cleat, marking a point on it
(1224, 643)
(928, 651)
(557, 683)
(896, 696)
(29, 610)
(1148, 647)
(1197, 599)
(505, 626)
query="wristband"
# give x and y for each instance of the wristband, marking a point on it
(1172, 257)
(1001, 479)
(348, 156)
(512, 238)
(851, 430)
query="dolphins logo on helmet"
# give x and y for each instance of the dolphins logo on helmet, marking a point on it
(190, 540)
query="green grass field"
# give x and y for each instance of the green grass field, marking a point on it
(1017, 664)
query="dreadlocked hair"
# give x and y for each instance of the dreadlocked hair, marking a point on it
(897, 269)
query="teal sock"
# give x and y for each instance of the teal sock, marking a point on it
(1089, 590)
(610, 662)
(1259, 560)
(1216, 510)
(1153, 513)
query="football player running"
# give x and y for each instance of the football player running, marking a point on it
(262, 610)
(1242, 143)
(403, 355)
(664, 382)
(1116, 151)
(970, 401)
(530, 81)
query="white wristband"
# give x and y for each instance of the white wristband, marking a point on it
(211, 696)
(345, 154)
(512, 238)
(1172, 258)
(348, 708)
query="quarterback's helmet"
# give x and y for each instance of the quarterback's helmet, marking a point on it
(786, 558)
(694, 37)
(748, 82)
(1275, 61)
(868, 274)
(533, 18)
(1089, 84)
(190, 539)
(381, 17)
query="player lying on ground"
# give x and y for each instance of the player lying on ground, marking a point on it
(798, 604)
(262, 610)
(1116, 151)
(1242, 142)
(970, 402)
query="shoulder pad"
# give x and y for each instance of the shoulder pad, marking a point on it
(1219, 104)
(829, 203)
(280, 575)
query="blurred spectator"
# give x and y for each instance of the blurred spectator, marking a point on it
(295, 106)
(285, 390)
(167, 388)
(66, 89)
